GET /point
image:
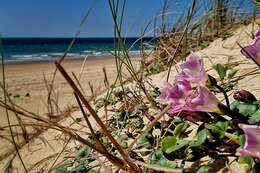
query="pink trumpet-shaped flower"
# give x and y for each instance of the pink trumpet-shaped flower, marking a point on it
(252, 143)
(193, 70)
(181, 97)
(252, 51)
(203, 100)
(175, 93)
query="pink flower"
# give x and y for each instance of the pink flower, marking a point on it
(193, 70)
(252, 51)
(182, 97)
(252, 144)
(203, 100)
(175, 93)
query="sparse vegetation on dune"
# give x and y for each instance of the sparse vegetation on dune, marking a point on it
(190, 105)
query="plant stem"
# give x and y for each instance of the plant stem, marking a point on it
(224, 93)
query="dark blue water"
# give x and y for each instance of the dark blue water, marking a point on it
(40, 49)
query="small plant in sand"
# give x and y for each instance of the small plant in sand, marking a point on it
(219, 126)
(199, 125)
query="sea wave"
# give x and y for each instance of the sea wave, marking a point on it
(56, 55)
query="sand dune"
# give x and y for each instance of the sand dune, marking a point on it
(28, 78)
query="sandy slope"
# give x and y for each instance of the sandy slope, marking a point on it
(227, 52)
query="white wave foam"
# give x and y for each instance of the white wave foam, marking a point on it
(56, 55)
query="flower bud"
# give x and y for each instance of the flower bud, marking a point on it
(244, 96)
(211, 81)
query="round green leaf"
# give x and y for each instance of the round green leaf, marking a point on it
(171, 144)
(201, 138)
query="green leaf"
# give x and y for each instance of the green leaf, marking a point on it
(171, 144)
(179, 128)
(143, 141)
(168, 142)
(221, 70)
(216, 130)
(157, 158)
(201, 138)
(219, 128)
(105, 141)
(255, 118)
(246, 160)
(229, 86)
(245, 109)
(82, 153)
(223, 125)
(204, 169)
(232, 73)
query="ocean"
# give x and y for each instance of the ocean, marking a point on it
(45, 49)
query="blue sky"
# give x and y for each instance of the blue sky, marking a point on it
(61, 18)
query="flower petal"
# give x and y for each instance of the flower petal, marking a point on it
(252, 143)
(253, 50)
(193, 70)
(205, 101)
(176, 93)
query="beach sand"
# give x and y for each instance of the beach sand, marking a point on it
(29, 78)
(27, 86)
(26, 83)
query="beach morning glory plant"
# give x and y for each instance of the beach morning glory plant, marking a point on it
(181, 95)
(252, 143)
(252, 51)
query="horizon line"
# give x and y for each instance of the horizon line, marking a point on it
(72, 37)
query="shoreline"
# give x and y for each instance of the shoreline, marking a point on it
(68, 59)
